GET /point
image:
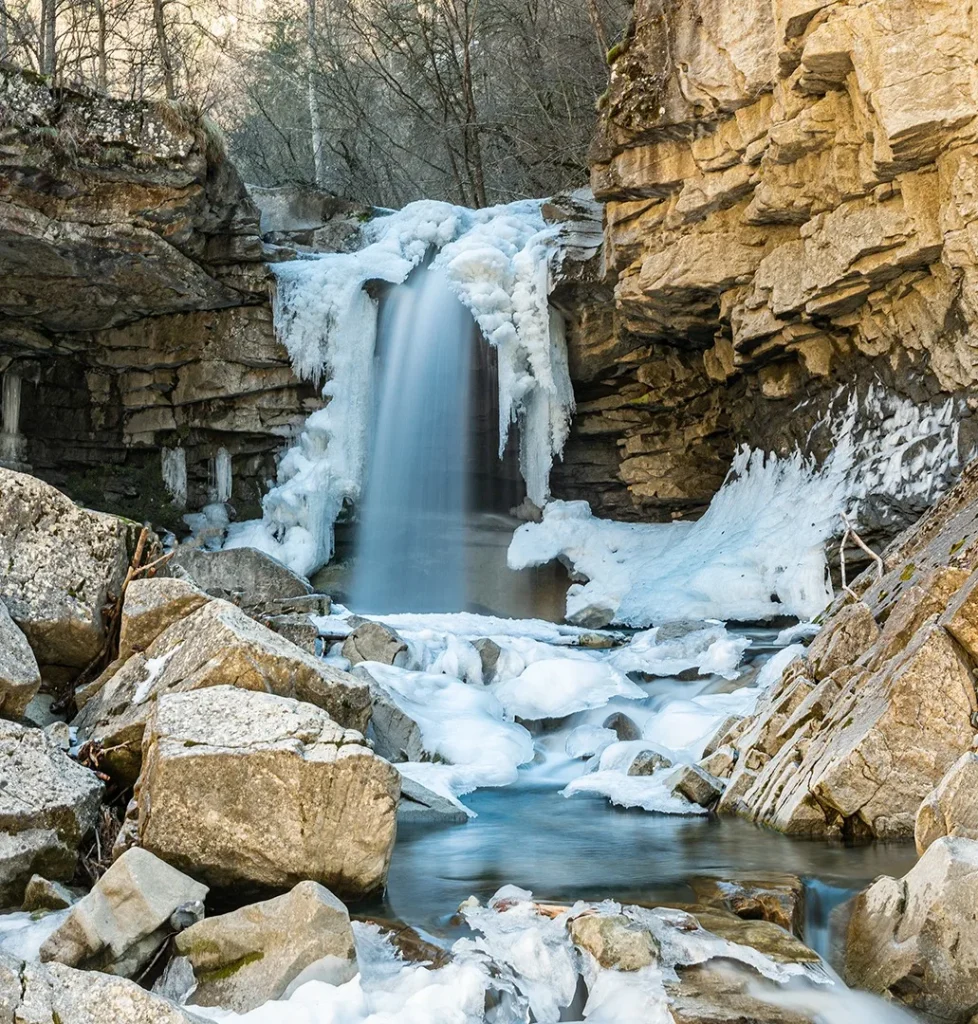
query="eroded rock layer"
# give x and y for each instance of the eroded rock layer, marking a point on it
(790, 226)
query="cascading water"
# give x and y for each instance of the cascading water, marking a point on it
(411, 544)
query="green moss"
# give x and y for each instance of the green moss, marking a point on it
(883, 595)
(957, 546)
(617, 51)
(229, 970)
(907, 573)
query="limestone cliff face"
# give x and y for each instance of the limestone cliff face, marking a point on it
(791, 226)
(134, 304)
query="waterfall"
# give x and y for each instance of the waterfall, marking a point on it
(410, 552)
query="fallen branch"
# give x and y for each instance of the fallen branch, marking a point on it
(850, 532)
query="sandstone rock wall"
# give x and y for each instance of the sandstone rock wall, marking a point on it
(790, 225)
(134, 305)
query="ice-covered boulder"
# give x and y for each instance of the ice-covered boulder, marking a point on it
(246, 788)
(132, 910)
(218, 644)
(20, 678)
(242, 959)
(697, 785)
(615, 941)
(915, 939)
(48, 805)
(60, 564)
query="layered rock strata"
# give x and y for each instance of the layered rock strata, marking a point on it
(789, 228)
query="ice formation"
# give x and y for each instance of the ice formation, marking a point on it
(498, 262)
(520, 964)
(757, 552)
(174, 467)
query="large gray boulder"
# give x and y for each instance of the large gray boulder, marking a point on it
(245, 574)
(218, 644)
(243, 959)
(48, 805)
(20, 678)
(60, 564)
(371, 641)
(35, 993)
(244, 788)
(132, 910)
(915, 939)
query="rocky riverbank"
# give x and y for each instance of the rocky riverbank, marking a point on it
(186, 839)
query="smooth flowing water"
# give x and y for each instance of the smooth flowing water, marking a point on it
(411, 543)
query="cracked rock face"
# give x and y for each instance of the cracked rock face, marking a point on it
(857, 737)
(246, 788)
(48, 805)
(788, 213)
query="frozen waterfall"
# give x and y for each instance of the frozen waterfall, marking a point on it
(411, 544)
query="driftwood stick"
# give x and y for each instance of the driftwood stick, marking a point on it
(880, 567)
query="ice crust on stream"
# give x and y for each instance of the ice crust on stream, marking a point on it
(520, 964)
(497, 260)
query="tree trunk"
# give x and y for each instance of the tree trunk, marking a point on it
(4, 37)
(49, 17)
(103, 71)
(159, 23)
(315, 115)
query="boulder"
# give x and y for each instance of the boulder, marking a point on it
(373, 642)
(245, 788)
(915, 939)
(55, 994)
(245, 573)
(243, 959)
(615, 941)
(648, 762)
(40, 894)
(132, 910)
(843, 640)
(952, 808)
(775, 897)
(48, 805)
(489, 652)
(297, 629)
(622, 726)
(61, 565)
(153, 605)
(395, 735)
(20, 678)
(216, 645)
(420, 805)
(697, 786)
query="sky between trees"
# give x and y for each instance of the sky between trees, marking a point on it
(382, 101)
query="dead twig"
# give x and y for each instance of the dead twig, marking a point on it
(850, 532)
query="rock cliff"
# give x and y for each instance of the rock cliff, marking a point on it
(134, 306)
(790, 244)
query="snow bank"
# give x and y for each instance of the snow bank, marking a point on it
(756, 553)
(556, 687)
(498, 262)
(462, 724)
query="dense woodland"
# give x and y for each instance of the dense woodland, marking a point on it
(384, 101)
